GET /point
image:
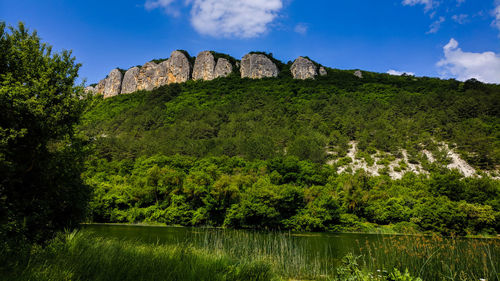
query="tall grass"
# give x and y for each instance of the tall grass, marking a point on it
(242, 255)
(287, 258)
(429, 257)
(435, 257)
(82, 256)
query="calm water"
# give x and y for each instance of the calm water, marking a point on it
(331, 245)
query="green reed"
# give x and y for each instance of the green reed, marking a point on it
(217, 254)
(83, 256)
(429, 257)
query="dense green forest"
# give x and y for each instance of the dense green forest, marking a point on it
(252, 154)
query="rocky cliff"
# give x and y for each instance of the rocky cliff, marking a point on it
(303, 68)
(204, 67)
(178, 68)
(257, 66)
(112, 84)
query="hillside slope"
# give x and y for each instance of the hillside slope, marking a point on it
(336, 153)
(261, 119)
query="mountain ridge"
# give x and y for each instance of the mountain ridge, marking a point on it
(207, 65)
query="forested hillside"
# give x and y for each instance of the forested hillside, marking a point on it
(269, 152)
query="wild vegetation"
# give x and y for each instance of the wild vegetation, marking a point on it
(251, 154)
(247, 256)
(262, 119)
(41, 159)
(286, 193)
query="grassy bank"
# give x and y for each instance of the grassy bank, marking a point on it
(85, 256)
(82, 256)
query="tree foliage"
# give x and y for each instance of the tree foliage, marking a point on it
(285, 193)
(40, 157)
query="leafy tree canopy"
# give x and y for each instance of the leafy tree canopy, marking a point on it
(40, 157)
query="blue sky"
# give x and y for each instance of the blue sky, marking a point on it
(442, 38)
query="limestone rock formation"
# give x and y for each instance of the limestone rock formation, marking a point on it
(89, 90)
(147, 78)
(151, 75)
(100, 86)
(223, 68)
(257, 66)
(204, 66)
(303, 68)
(358, 74)
(161, 73)
(130, 79)
(113, 84)
(322, 71)
(179, 68)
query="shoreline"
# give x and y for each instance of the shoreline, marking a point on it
(292, 233)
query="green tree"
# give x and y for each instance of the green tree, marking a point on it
(41, 160)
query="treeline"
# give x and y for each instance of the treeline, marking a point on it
(287, 193)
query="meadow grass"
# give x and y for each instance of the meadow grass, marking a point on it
(83, 256)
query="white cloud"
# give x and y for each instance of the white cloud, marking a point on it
(153, 4)
(166, 5)
(429, 4)
(435, 26)
(399, 73)
(461, 19)
(496, 14)
(234, 18)
(226, 18)
(465, 65)
(301, 28)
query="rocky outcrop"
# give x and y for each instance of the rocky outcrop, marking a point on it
(257, 66)
(303, 68)
(151, 75)
(130, 80)
(358, 74)
(223, 68)
(147, 77)
(204, 66)
(113, 83)
(179, 68)
(322, 71)
(161, 73)
(89, 90)
(100, 86)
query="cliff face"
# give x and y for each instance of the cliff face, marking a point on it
(149, 75)
(303, 68)
(223, 68)
(204, 67)
(130, 81)
(111, 85)
(257, 66)
(178, 69)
